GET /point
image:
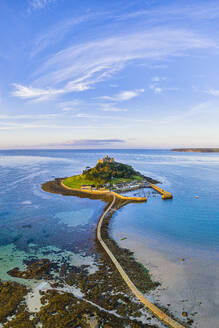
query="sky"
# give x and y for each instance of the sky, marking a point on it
(109, 74)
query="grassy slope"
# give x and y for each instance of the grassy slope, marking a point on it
(78, 180)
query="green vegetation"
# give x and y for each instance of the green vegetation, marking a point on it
(77, 181)
(123, 180)
(104, 173)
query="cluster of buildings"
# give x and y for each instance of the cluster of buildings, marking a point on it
(129, 186)
(119, 187)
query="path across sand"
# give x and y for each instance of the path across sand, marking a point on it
(150, 306)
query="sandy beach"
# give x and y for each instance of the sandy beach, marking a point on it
(188, 278)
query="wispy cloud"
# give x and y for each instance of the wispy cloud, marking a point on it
(80, 67)
(28, 92)
(79, 104)
(124, 95)
(37, 95)
(58, 32)
(39, 4)
(89, 116)
(71, 105)
(61, 120)
(213, 92)
(155, 88)
(194, 11)
(29, 116)
(96, 117)
(22, 126)
(156, 85)
(203, 109)
(111, 108)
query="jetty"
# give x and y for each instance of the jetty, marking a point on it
(165, 194)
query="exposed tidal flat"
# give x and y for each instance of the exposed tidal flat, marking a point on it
(177, 240)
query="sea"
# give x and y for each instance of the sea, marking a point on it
(177, 240)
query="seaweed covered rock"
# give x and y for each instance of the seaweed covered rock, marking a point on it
(21, 320)
(64, 310)
(11, 295)
(36, 269)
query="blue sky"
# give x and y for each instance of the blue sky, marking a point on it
(117, 74)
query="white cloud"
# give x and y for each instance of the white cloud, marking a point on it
(203, 109)
(28, 92)
(39, 4)
(156, 89)
(111, 108)
(85, 115)
(80, 67)
(91, 105)
(37, 95)
(195, 11)
(213, 92)
(58, 32)
(97, 117)
(21, 126)
(124, 95)
(78, 104)
(71, 105)
(29, 116)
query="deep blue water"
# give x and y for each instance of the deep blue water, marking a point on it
(29, 216)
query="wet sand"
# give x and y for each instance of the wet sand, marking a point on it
(189, 278)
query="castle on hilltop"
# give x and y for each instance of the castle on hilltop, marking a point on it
(106, 159)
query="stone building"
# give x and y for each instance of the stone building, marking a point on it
(106, 159)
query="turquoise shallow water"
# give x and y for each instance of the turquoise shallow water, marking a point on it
(36, 224)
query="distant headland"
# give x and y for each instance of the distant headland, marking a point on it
(197, 150)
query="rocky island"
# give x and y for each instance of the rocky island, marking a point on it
(109, 175)
(106, 178)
